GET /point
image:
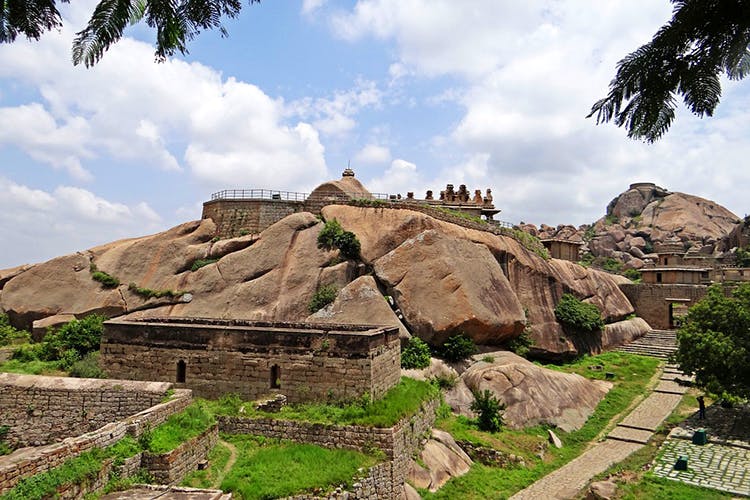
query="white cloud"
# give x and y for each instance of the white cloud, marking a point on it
(310, 6)
(401, 177)
(373, 154)
(67, 219)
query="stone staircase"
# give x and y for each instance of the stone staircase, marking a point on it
(656, 343)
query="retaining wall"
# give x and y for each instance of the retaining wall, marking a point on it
(32, 461)
(172, 467)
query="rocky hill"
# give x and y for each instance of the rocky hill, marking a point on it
(441, 278)
(638, 220)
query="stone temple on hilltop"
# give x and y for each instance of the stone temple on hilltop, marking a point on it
(250, 211)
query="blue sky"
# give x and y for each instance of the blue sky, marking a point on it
(415, 93)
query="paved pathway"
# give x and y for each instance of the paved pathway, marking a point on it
(630, 435)
(722, 464)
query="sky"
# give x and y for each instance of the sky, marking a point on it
(414, 94)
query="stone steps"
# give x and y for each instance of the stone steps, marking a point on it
(656, 343)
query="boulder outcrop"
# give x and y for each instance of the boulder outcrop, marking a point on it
(532, 394)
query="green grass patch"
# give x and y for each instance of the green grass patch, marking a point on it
(33, 367)
(207, 478)
(178, 428)
(198, 263)
(10, 335)
(657, 488)
(148, 293)
(401, 401)
(632, 373)
(107, 280)
(76, 470)
(273, 469)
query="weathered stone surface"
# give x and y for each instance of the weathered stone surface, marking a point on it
(437, 369)
(443, 463)
(534, 395)
(40, 326)
(602, 490)
(410, 493)
(8, 274)
(444, 286)
(554, 440)
(623, 332)
(360, 302)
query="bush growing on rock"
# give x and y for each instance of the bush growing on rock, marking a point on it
(579, 316)
(9, 334)
(333, 236)
(322, 297)
(457, 348)
(416, 354)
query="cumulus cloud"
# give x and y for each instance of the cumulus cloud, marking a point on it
(373, 154)
(400, 177)
(64, 220)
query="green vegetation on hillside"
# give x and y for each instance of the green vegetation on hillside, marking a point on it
(178, 428)
(333, 236)
(577, 315)
(416, 354)
(401, 401)
(322, 297)
(10, 335)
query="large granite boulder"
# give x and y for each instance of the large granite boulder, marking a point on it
(532, 394)
(445, 286)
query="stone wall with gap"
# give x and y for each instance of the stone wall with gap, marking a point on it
(43, 410)
(651, 302)
(399, 443)
(29, 462)
(173, 466)
(304, 362)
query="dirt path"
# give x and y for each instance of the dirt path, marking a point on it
(230, 463)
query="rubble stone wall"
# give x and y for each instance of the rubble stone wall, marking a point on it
(651, 302)
(251, 216)
(303, 362)
(172, 467)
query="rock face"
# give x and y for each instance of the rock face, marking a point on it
(443, 459)
(640, 219)
(443, 277)
(535, 395)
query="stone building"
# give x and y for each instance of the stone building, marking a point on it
(563, 249)
(305, 362)
(249, 211)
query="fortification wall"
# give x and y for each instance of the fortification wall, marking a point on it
(43, 410)
(233, 217)
(399, 443)
(29, 462)
(652, 302)
(304, 363)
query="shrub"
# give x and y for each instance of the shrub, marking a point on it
(148, 293)
(333, 236)
(521, 344)
(198, 263)
(82, 335)
(416, 354)
(322, 297)
(488, 409)
(457, 348)
(105, 279)
(578, 315)
(11, 335)
(632, 275)
(87, 367)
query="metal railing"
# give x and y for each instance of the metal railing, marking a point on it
(270, 194)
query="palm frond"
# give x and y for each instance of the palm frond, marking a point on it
(30, 18)
(105, 27)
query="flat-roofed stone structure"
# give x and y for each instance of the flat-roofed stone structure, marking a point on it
(213, 357)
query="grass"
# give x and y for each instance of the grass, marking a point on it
(198, 263)
(76, 470)
(206, 478)
(178, 428)
(657, 488)
(632, 373)
(401, 401)
(34, 367)
(274, 469)
(148, 293)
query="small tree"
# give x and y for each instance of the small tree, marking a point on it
(416, 354)
(578, 315)
(714, 342)
(322, 297)
(489, 410)
(333, 236)
(457, 348)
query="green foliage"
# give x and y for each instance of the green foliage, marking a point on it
(633, 275)
(148, 293)
(587, 259)
(207, 478)
(271, 469)
(87, 367)
(589, 234)
(4, 447)
(743, 256)
(457, 348)
(521, 345)
(178, 428)
(528, 241)
(198, 263)
(333, 236)
(648, 247)
(578, 315)
(105, 279)
(686, 58)
(10, 335)
(713, 343)
(460, 214)
(322, 297)
(368, 202)
(416, 354)
(611, 219)
(489, 410)
(401, 401)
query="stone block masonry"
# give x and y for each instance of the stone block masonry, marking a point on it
(213, 357)
(43, 410)
(654, 303)
(172, 467)
(28, 462)
(399, 443)
(232, 217)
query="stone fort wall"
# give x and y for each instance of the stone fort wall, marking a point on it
(236, 217)
(29, 462)
(214, 357)
(43, 410)
(652, 302)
